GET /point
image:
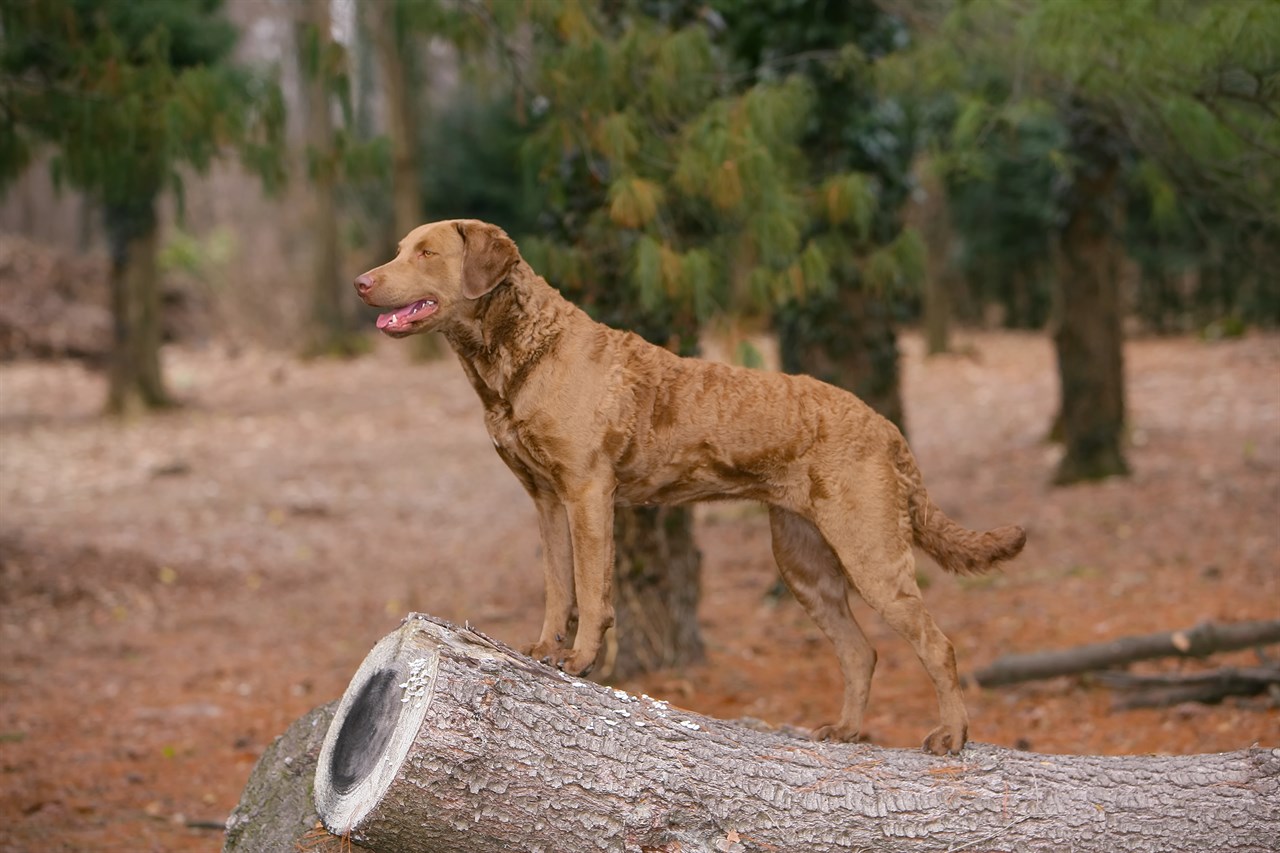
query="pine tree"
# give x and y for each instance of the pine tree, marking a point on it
(674, 200)
(857, 148)
(681, 191)
(125, 94)
(1177, 98)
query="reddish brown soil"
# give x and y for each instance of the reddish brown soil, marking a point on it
(176, 590)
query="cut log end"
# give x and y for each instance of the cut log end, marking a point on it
(373, 729)
(365, 731)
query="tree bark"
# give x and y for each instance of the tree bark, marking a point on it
(937, 306)
(276, 811)
(136, 380)
(446, 740)
(929, 213)
(401, 125)
(1088, 337)
(330, 294)
(656, 594)
(1204, 639)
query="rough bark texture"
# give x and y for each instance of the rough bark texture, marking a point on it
(502, 754)
(656, 593)
(276, 811)
(1204, 639)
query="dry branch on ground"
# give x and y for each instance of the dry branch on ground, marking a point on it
(1204, 639)
(1156, 691)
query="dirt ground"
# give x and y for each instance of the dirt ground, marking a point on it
(175, 591)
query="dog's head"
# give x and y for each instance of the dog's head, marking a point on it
(439, 271)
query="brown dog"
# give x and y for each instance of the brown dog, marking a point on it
(589, 417)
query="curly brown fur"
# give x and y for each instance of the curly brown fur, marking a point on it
(588, 417)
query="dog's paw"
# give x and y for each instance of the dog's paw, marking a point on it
(840, 733)
(945, 741)
(545, 652)
(579, 662)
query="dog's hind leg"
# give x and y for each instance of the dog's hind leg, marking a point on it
(881, 567)
(812, 571)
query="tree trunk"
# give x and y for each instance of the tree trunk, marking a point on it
(929, 214)
(446, 740)
(656, 594)
(937, 307)
(401, 126)
(135, 377)
(276, 810)
(848, 341)
(1204, 639)
(1088, 337)
(328, 332)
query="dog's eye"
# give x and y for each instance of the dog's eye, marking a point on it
(425, 252)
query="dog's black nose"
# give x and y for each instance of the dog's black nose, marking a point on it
(364, 284)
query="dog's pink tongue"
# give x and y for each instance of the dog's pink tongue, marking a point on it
(398, 316)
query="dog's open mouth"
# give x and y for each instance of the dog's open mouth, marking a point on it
(419, 310)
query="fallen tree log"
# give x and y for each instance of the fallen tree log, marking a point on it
(1204, 639)
(276, 811)
(446, 740)
(1173, 688)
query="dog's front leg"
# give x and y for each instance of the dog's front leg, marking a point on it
(590, 514)
(557, 575)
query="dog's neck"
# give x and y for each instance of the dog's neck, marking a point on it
(513, 328)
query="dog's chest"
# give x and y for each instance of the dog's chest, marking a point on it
(520, 448)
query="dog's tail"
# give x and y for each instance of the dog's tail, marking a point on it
(957, 549)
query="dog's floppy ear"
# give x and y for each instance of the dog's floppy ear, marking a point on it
(488, 254)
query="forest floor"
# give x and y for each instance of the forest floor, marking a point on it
(176, 590)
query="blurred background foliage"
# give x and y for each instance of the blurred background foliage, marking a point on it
(824, 171)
